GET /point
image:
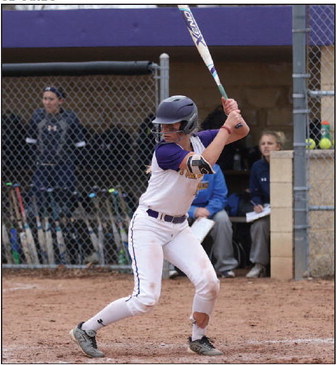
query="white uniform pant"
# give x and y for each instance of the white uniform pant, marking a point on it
(151, 241)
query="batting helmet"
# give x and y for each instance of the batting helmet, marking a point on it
(177, 108)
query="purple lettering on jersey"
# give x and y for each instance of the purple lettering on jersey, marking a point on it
(207, 136)
(169, 156)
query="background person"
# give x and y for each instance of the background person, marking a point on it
(55, 134)
(260, 195)
(210, 202)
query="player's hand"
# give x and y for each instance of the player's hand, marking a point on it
(233, 119)
(202, 212)
(229, 105)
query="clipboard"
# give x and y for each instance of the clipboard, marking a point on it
(201, 227)
(252, 216)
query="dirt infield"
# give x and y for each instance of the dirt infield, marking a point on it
(255, 321)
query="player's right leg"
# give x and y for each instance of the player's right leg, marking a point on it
(145, 247)
(86, 341)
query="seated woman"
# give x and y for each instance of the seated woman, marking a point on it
(260, 195)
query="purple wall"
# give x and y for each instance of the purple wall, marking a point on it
(231, 26)
(221, 26)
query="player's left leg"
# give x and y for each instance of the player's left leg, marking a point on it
(186, 253)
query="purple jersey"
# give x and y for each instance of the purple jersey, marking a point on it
(171, 190)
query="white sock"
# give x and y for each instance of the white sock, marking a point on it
(197, 332)
(113, 312)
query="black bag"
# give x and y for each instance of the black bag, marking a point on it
(239, 204)
(240, 253)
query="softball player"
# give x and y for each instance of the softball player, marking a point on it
(159, 229)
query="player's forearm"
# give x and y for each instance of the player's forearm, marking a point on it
(231, 109)
(215, 148)
(228, 133)
(239, 133)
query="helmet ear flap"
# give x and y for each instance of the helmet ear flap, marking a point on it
(156, 131)
(183, 125)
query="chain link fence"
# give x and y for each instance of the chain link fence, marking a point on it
(320, 137)
(71, 180)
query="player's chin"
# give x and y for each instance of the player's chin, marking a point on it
(168, 138)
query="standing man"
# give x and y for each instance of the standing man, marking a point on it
(159, 228)
(210, 202)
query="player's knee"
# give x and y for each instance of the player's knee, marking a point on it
(142, 304)
(213, 288)
(208, 288)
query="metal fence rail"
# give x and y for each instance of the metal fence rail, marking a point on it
(80, 213)
(320, 135)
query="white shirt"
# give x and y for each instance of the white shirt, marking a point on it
(171, 190)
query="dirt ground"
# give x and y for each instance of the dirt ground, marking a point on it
(255, 320)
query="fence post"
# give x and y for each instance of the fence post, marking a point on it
(164, 93)
(300, 113)
(164, 76)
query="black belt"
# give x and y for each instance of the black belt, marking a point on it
(166, 217)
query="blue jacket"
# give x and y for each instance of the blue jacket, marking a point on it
(212, 193)
(56, 136)
(259, 182)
